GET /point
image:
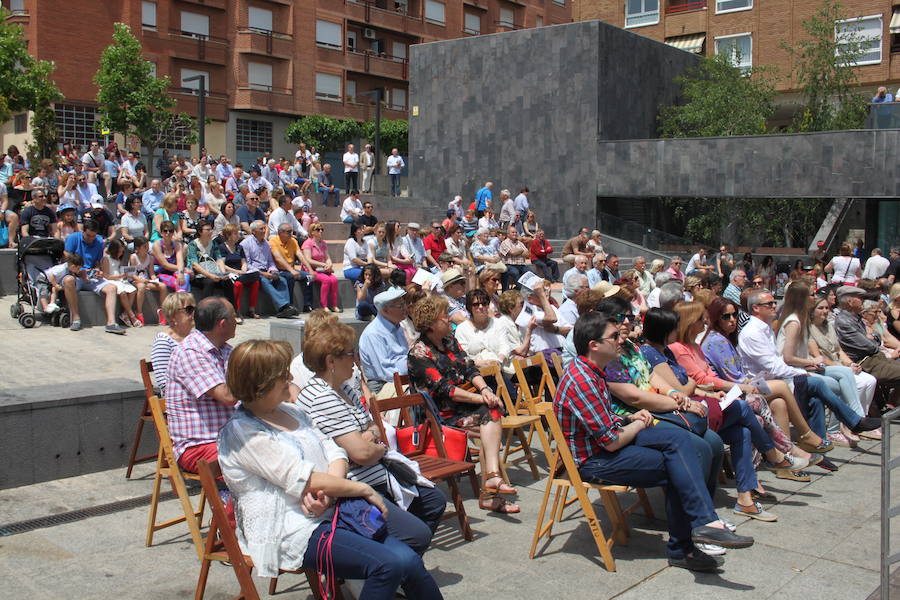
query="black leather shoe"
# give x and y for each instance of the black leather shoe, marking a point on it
(720, 537)
(697, 561)
(867, 424)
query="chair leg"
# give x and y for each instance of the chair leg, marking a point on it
(528, 455)
(273, 583)
(154, 501)
(596, 530)
(134, 446)
(556, 517)
(185, 499)
(539, 526)
(460, 510)
(201, 581)
(621, 531)
(645, 503)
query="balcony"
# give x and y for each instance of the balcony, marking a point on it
(267, 43)
(186, 100)
(264, 98)
(380, 65)
(679, 6)
(375, 13)
(220, 4)
(195, 46)
(506, 26)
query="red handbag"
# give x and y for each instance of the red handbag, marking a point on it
(455, 441)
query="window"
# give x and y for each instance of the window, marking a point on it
(351, 41)
(195, 24)
(148, 15)
(259, 76)
(731, 5)
(472, 23)
(864, 31)
(17, 7)
(254, 136)
(194, 86)
(538, 21)
(20, 123)
(329, 34)
(641, 12)
(76, 124)
(560, 2)
(351, 90)
(738, 48)
(434, 12)
(397, 100)
(175, 139)
(259, 18)
(152, 68)
(328, 87)
(398, 51)
(507, 17)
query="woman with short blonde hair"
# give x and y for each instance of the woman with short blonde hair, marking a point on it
(178, 311)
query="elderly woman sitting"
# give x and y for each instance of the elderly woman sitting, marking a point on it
(481, 336)
(332, 401)
(178, 310)
(438, 366)
(284, 475)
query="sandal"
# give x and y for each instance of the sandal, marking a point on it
(495, 503)
(498, 489)
(252, 314)
(822, 448)
(793, 475)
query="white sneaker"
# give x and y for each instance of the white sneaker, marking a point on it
(52, 307)
(710, 549)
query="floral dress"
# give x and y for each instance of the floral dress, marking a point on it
(630, 367)
(439, 372)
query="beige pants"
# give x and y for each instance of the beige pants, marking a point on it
(389, 391)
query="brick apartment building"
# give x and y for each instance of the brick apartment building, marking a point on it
(266, 62)
(756, 28)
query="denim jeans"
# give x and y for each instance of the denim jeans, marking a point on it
(842, 382)
(814, 407)
(385, 566)
(511, 277)
(365, 309)
(326, 192)
(661, 456)
(305, 286)
(548, 269)
(395, 184)
(739, 430)
(415, 526)
(353, 274)
(277, 289)
(710, 451)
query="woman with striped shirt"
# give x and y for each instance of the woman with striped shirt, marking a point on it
(178, 310)
(336, 410)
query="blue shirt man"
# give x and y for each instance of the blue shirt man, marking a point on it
(382, 346)
(152, 199)
(90, 251)
(483, 198)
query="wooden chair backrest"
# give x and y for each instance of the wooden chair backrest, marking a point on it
(158, 410)
(221, 536)
(494, 371)
(404, 403)
(147, 379)
(545, 385)
(558, 364)
(401, 382)
(561, 451)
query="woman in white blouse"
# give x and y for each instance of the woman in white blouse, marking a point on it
(845, 266)
(284, 475)
(481, 337)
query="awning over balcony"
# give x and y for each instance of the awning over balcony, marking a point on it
(895, 20)
(689, 43)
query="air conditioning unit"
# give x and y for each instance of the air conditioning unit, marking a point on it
(369, 33)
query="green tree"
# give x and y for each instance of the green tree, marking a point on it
(43, 118)
(720, 99)
(133, 101)
(327, 134)
(394, 134)
(824, 72)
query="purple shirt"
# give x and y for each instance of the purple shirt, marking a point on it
(258, 255)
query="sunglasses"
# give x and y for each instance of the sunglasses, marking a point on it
(613, 338)
(727, 316)
(167, 230)
(620, 317)
(771, 304)
(189, 309)
(479, 303)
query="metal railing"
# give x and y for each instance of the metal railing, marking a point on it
(639, 234)
(679, 6)
(888, 464)
(884, 115)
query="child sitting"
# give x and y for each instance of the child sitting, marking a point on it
(49, 283)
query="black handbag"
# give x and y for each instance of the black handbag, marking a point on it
(686, 420)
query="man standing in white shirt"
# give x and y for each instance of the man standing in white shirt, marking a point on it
(876, 266)
(521, 205)
(352, 208)
(351, 168)
(93, 162)
(367, 164)
(395, 166)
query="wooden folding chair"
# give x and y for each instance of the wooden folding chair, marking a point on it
(222, 545)
(557, 364)
(565, 476)
(531, 400)
(513, 425)
(166, 466)
(145, 417)
(435, 468)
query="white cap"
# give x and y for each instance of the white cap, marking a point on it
(387, 296)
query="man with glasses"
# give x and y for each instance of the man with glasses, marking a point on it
(737, 281)
(675, 269)
(757, 349)
(367, 220)
(383, 348)
(276, 284)
(89, 246)
(198, 402)
(152, 198)
(292, 264)
(38, 220)
(629, 450)
(250, 212)
(86, 192)
(93, 161)
(434, 242)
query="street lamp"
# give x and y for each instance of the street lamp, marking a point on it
(201, 89)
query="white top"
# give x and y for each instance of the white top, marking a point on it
(353, 249)
(802, 349)
(508, 211)
(541, 339)
(395, 164)
(279, 216)
(875, 267)
(756, 347)
(457, 250)
(845, 268)
(351, 207)
(567, 313)
(134, 225)
(695, 262)
(351, 162)
(490, 343)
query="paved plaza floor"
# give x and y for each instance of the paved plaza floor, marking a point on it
(825, 544)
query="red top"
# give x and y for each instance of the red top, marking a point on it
(540, 249)
(435, 246)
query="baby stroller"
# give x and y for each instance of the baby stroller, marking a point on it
(34, 256)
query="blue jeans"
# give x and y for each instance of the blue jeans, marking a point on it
(511, 277)
(661, 456)
(814, 411)
(385, 566)
(353, 274)
(842, 382)
(326, 192)
(415, 526)
(548, 269)
(365, 309)
(739, 430)
(306, 287)
(395, 184)
(277, 289)
(710, 451)
(348, 220)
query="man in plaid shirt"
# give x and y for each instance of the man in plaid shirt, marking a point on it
(630, 451)
(198, 403)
